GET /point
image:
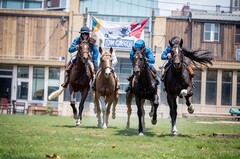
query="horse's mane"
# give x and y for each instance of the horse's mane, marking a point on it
(199, 57)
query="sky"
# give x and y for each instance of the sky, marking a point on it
(167, 5)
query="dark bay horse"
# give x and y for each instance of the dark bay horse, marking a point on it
(178, 81)
(105, 89)
(80, 76)
(143, 88)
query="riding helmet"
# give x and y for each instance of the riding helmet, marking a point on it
(84, 29)
(175, 40)
(139, 43)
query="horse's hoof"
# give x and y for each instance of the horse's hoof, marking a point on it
(140, 134)
(78, 123)
(174, 133)
(128, 125)
(151, 114)
(154, 122)
(75, 116)
(104, 126)
(190, 109)
(113, 116)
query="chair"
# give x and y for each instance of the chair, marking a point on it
(20, 107)
(5, 105)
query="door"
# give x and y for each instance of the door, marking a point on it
(22, 89)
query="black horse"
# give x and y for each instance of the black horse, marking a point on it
(143, 87)
(178, 81)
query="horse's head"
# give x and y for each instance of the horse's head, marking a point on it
(83, 52)
(177, 55)
(139, 60)
(106, 61)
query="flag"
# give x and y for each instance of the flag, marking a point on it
(121, 36)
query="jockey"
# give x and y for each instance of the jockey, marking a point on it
(114, 63)
(84, 33)
(166, 55)
(150, 60)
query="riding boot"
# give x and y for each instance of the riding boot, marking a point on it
(129, 87)
(70, 66)
(117, 83)
(191, 71)
(93, 83)
(157, 81)
(163, 75)
(68, 69)
(65, 84)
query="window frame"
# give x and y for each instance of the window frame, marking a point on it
(212, 32)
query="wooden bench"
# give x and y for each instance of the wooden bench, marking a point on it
(37, 110)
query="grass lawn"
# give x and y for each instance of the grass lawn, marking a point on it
(32, 137)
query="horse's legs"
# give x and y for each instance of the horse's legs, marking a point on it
(140, 114)
(115, 100)
(173, 113)
(154, 119)
(81, 106)
(97, 107)
(143, 112)
(188, 103)
(72, 103)
(129, 97)
(103, 105)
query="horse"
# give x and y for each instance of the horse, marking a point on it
(178, 81)
(105, 89)
(144, 88)
(80, 76)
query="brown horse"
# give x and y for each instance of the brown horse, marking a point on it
(178, 80)
(144, 88)
(105, 89)
(80, 76)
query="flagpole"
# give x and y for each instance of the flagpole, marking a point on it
(152, 35)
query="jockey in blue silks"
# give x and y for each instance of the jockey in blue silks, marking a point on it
(150, 60)
(84, 33)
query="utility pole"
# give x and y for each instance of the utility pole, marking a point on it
(152, 29)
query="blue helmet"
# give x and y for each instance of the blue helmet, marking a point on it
(139, 43)
(84, 29)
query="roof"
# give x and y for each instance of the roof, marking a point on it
(214, 16)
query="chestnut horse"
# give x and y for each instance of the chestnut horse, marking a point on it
(178, 81)
(144, 88)
(105, 89)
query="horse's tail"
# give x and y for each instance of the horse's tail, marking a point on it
(202, 57)
(56, 93)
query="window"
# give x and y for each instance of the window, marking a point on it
(22, 72)
(238, 88)
(38, 83)
(196, 98)
(22, 90)
(53, 81)
(211, 32)
(226, 88)
(211, 87)
(21, 4)
(237, 37)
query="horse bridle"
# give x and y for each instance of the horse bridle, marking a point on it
(177, 53)
(105, 54)
(83, 52)
(139, 62)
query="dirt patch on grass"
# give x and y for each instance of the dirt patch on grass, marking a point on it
(218, 122)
